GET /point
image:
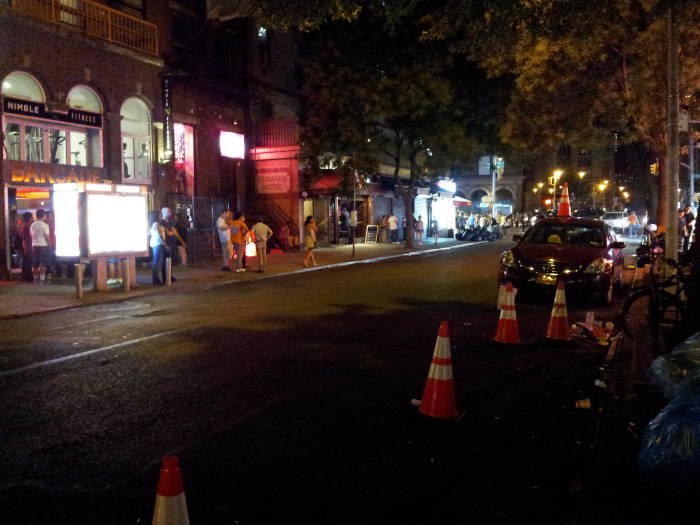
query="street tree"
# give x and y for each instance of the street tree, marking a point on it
(377, 94)
(588, 72)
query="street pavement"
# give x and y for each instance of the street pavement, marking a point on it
(288, 400)
(18, 298)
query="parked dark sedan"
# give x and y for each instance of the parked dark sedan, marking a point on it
(583, 252)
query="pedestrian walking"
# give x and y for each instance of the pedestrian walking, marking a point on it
(157, 242)
(310, 241)
(419, 230)
(261, 233)
(435, 230)
(224, 231)
(633, 223)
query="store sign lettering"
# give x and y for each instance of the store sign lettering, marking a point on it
(36, 109)
(85, 117)
(17, 173)
(24, 107)
(273, 179)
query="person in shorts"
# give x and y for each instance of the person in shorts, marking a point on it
(41, 253)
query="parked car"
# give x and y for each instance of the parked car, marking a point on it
(617, 220)
(585, 253)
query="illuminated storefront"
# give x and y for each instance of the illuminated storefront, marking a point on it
(44, 146)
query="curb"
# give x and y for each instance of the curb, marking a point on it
(206, 287)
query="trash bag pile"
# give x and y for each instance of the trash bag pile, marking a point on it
(670, 452)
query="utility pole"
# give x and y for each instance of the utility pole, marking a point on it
(493, 186)
(672, 145)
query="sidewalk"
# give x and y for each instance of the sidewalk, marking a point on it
(18, 298)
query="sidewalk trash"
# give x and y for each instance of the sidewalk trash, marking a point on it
(675, 372)
(670, 449)
(171, 506)
(439, 393)
(507, 330)
(558, 328)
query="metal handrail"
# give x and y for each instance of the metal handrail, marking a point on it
(96, 20)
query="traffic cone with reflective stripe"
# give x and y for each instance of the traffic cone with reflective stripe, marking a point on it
(171, 507)
(507, 331)
(559, 321)
(439, 394)
(564, 205)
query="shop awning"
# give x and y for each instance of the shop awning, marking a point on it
(459, 201)
(327, 182)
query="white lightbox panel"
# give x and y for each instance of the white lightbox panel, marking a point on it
(67, 223)
(116, 224)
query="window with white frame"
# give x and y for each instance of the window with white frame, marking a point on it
(136, 141)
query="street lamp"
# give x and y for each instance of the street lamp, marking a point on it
(556, 175)
(581, 174)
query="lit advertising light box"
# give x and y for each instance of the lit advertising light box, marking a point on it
(232, 145)
(66, 208)
(116, 224)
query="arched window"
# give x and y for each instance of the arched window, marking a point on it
(23, 86)
(84, 99)
(34, 134)
(136, 141)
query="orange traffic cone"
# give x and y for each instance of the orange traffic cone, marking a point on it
(507, 331)
(559, 321)
(171, 507)
(564, 205)
(439, 394)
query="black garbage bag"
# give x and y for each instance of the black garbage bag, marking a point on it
(669, 457)
(670, 371)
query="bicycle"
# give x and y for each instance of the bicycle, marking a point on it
(667, 305)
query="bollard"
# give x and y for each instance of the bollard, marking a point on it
(168, 271)
(126, 275)
(78, 280)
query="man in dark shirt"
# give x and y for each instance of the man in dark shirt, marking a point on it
(26, 236)
(689, 217)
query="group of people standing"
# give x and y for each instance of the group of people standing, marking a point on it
(389, 229)
(34, 241)
(234, 234)
(165, 242)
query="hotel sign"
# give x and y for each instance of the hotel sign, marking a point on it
(35, 174)
(273, 176)
(28, 108)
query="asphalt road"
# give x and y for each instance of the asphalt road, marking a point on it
(288, 401)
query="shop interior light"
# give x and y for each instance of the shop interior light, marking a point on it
(65, 186)
(447, 185)
(92, 186)
(125, 188)
(32, 193)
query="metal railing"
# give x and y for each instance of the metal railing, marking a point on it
(95, 20)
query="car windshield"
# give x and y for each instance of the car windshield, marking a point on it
(565, 234)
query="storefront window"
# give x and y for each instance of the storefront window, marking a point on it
(57, 145)
(78, 151)
(136, 141)
(184, 158)
(35, 143)
(13, 141)
(137, 165)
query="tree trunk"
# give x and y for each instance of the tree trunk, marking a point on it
(662, 201)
